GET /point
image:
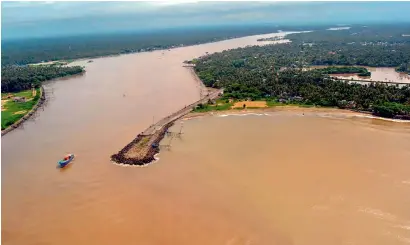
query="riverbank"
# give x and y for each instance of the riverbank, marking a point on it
(386, 75)
(27, 115)
(166, 47)
(83, 61)
(296, 109)
(145, 146)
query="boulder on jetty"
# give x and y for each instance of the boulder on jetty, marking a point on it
(142, 149)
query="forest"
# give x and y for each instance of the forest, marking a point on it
(21, 52)
(269, 39)
(361, 71)
(257, 72)
(374, 46)
(18, 78)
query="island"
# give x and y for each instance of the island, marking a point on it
(360, 71)
(270, 39)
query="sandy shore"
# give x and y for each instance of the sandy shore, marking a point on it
(319, 111)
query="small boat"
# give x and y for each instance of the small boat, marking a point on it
(64, 162)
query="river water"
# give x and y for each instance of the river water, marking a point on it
(378, 74)
(226, 181)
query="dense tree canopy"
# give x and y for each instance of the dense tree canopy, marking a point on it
(21, 52)
(17, 78)
(257, 72)
(377, 46)
(361, 71)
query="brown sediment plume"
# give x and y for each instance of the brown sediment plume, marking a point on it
(28, 115)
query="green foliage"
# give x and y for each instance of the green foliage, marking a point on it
(345, 70)
(208, 107)
(404, 68)
(240, 92)
(269, 39)
(18, 78)
(390, 110)
(8, 117)
(365, 74)
(21, 52)
(272, 103)
(259, 77)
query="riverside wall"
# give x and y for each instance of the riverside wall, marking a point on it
(155, 134)
(28, 115)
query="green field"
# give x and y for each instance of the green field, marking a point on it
(13, 111)
(224, 104)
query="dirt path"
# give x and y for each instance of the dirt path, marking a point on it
(258, 104)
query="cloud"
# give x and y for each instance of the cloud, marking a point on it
(48, 18)
(175, 2)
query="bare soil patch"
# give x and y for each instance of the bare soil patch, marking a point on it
(20, 112)
(258, 104)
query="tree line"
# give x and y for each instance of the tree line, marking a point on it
(375, 46)
(257, 72)
(361, 71)
(35, 50)
(18, 78)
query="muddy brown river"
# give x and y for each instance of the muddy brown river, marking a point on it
(378, 74)
(279, 178)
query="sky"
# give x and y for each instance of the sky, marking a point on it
(58, 18)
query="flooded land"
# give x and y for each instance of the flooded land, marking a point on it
(280, 178)
(379, 74)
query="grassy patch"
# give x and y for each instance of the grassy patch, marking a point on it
(251, 107)
(271, 103)
(143, 142)
(306, 105)
(11, 112)
(221, 106)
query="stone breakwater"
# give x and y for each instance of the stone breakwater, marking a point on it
(140, 150)
(28, 115)
(143, 148)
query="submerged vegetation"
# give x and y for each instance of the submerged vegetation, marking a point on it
(405, 67)
(269, 39)
(361, 71)
(18, 78)
(257, 72)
